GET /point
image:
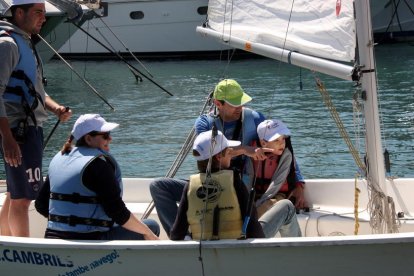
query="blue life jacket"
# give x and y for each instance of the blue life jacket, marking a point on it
(248, 131)
(247, 134)
(72, 206)
(21, 85)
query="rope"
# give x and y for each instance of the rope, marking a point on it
(342, 131)
(356, 200)
(381, 208)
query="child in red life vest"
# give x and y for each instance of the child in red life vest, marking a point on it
(274, 180)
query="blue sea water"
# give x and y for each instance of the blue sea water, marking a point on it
(154, 125)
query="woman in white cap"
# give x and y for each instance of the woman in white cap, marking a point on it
(227, 198)
(275, 183)
(82, 196)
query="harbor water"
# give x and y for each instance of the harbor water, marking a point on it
(154, 125)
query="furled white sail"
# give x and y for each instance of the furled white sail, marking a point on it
(321, 28)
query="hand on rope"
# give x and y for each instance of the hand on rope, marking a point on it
(63, 113)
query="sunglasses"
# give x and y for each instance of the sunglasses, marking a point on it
(105, 135)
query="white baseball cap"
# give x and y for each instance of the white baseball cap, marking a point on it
(270, 130)
(91, 122)
(21, 2)
(202, 144)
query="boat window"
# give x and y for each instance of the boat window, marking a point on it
(136, 15)
(202, 10)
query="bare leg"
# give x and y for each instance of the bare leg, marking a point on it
(19, 217)
(4, 217)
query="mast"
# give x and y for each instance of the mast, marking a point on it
(375, 158)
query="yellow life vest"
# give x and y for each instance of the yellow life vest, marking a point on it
(221, 193)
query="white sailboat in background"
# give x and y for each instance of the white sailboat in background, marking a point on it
(360, 226)
(161, 28)
(166, 28)
(393, 20)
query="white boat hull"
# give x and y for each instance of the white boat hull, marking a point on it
(393, 20)
(328, 230)
(168, 28)
(359, 255)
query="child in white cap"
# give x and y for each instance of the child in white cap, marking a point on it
(82, 195)
(272, 177)
(221, 217)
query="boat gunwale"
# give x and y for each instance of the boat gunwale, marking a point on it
(393, 238)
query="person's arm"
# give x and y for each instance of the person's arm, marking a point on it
(298, 174)
(57, 109)
(278, 178)
(254, 152)
(11, 150)
(203, 123)
(258, 117)
(135, 225)
(9, 56)
(180, 227)
(298, 193)
(42, 200)
(99, 176)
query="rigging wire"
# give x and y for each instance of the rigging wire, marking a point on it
(341, 128)
(123, 59)
(279, 64)
(188, 143)
(136, 74)
(126, 48)
(73, 70)
(206, 187)
(187, 146)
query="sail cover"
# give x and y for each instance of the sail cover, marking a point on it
(320, 28)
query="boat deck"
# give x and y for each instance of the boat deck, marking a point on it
(328, 214)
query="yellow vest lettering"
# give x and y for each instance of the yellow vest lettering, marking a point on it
(221, 193)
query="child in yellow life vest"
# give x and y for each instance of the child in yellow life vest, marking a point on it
(214, 202)
(274, 178)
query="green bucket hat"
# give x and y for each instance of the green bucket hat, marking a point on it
(230, 91)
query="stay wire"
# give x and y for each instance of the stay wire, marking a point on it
(124, 45)
(136, 75)
(279, 66)
(188, 144)
(123, 59)
(73, 70)
(206, 184)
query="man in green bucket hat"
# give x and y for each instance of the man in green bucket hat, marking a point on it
(236, 122)
(230, 91)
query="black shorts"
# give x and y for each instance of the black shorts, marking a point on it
(26, 180)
